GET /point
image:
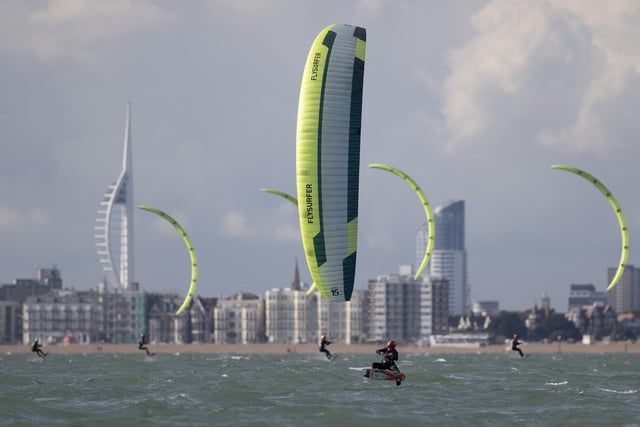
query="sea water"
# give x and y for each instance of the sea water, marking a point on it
(196, 389)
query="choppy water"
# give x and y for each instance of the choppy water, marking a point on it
(306, 390)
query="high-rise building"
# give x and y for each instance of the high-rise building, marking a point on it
(239, 319)
(343, 322)
(625, 296)
(449, 258)
(121, 313)
(10, 322)
(449, 220)
(434, 308)
(114, 223)
(291, 316)
(394, 308)
(61, 316)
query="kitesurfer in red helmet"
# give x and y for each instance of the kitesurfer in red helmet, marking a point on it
(515, 345)
(389, 356)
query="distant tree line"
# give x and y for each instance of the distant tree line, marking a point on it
(549, 327)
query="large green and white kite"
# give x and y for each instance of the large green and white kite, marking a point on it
(328, 157)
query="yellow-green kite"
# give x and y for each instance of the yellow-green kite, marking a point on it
(431, 229)
(328, 157)
(192, 255)
(616, 207)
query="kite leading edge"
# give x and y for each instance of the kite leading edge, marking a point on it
(619, 215)
(192, 255)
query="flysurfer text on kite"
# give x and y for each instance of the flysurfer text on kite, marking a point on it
(315, 66)
(309, 204)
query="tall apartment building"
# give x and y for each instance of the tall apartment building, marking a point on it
(449, 258)
(121, 313)
(239, 319)
(343, 322)
(625, 296)
(60, 317)
(434, 308)
(394, 308)
(10, 322)
(201, 321)
(357, 315)
(163, 326)
(291, 316)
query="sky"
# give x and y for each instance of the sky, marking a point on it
(473, 99)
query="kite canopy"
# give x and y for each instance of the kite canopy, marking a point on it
(282, 194)
(328, 157)
(431, 227)
(618, 211)
(192, 255)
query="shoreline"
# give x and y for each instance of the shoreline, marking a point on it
(534, 348)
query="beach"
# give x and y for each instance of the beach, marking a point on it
(336, 348)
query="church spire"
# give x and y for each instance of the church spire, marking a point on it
(295, 285)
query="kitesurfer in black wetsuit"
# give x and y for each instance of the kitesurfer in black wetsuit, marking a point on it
(389, 356)
(323, 349)
(515, 345)
(37, 348)
(142, 345)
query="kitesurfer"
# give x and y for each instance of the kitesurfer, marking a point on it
(142, 345)
(389, 356)
(515, 345)
(323, 349)
(37, 348)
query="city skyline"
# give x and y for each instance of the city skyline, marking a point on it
(474, 100)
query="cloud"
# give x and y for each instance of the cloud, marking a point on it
(32, 219)
(248, 7)
(287, 232)
(74, 28)
(614, 31)
(165, 228)
(372, 6)
(378, 240)
(522, 59)
(235, 224)
(491, 64)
